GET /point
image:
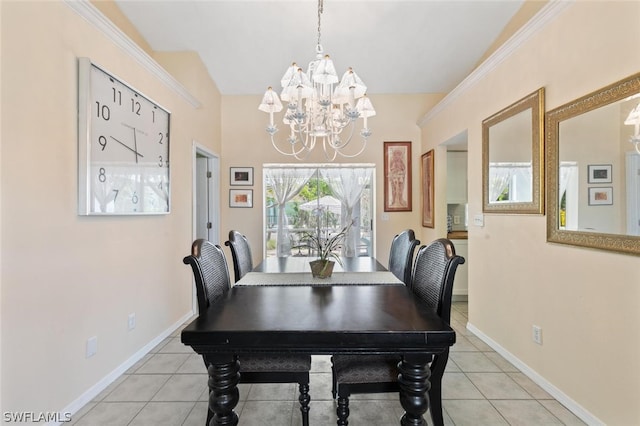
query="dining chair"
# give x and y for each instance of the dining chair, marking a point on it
(401, 254)
(241, 254)
(209, 266)
(432, 279)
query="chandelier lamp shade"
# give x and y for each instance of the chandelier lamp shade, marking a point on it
(321, 109)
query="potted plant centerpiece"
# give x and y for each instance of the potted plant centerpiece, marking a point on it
(326, 248)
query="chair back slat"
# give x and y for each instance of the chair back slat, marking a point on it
(241, 254)
(209, 266)
(401, 255)
(433, 274)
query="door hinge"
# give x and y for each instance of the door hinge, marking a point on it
(209, 175)
(209, 225)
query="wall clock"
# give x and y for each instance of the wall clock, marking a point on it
(123, 147)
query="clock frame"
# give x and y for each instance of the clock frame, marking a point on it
(123, 147)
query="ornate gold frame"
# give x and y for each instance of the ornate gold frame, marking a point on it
(535, 101)
(612, 242)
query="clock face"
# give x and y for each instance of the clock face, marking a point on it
(126, 147)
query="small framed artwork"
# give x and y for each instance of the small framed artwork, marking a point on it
(241, 198)
(427, 189)
(397, 176)
(601, 196)
(242, 176)
(599, 173)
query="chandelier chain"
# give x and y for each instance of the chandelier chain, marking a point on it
(320, 10)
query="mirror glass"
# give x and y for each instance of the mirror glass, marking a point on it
(593, 168)
(512, 148)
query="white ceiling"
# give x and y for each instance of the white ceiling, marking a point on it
(395, 46)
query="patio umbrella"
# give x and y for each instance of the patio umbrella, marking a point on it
(323, 204)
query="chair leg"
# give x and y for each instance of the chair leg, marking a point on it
(304, 399)
(435, 392)
(334, 389)
(343, 410)
(435, 404)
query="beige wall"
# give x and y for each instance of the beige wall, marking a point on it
(586, 301)
(65, 277)
(246, 144)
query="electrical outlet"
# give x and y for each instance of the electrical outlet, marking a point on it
(478, 220)
(537, 334)
(456, 220)
(132, 321)
(92, 346)
(384, 216)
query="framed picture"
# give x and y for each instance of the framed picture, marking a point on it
(599, 173)
(427, 189)
(241, 198)
(242, 176)
(397, 176)
(601, 196)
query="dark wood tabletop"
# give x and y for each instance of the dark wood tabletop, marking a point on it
(319, 320)
(301, 264)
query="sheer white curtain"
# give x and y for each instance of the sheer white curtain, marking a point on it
(499, 178)
(286, 184)
(569, 183)
(347, 185)
(515, 176)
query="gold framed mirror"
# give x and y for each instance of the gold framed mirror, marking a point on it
(512, 158)
(593, 172)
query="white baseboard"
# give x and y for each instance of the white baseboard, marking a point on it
(95, 390)
(461, 297)
(560, 396)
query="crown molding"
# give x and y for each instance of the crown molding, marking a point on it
(85, 9)
(547, 14)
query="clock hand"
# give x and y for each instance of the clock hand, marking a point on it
(128, 147)
(135, 144)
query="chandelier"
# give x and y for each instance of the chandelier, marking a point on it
(318, 112)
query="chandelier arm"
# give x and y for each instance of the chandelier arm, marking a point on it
(326, 153)
(352, 128)
(308, 142)
(364, 145)
(293, 153)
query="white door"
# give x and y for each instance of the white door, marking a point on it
(206, 195)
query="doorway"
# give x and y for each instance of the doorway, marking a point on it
(206, 194)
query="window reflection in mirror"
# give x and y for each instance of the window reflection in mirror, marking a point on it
(512, 157)
(594, 171)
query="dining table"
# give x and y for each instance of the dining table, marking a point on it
(364, 317)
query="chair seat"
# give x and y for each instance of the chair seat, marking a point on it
(353, 369)
(275, 363)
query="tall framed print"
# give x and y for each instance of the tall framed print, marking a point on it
(123, 147)
(397, 176)
(427, 189)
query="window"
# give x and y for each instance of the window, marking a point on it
(318, 199)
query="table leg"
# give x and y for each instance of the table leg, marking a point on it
(223, 392)
(414, 385)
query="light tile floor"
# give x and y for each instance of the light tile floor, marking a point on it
(169, 387)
